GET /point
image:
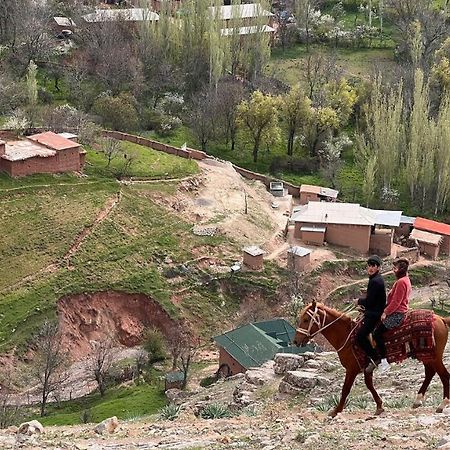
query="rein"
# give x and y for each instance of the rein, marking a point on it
(315, 319)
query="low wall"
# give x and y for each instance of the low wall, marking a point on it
(381, 243)
(192, 153)
(411, 253)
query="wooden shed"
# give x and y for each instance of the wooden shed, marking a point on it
(174, 380)
(253, 257)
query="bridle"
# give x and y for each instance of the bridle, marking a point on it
(315, 319)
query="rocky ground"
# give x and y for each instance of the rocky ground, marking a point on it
(265, 418)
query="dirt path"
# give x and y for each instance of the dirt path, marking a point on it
(65, 260)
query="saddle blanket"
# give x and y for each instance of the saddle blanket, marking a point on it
(413, 338)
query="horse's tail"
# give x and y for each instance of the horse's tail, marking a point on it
(446, 320)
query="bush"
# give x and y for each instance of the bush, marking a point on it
(118, 113)
(153, 343)
(86, 416)
(215, 411)
(295, 165)
(170, 412)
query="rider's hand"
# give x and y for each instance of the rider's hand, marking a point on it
(355, 301)
(383, 316)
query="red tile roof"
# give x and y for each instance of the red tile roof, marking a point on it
(53, 141)
(431, 225)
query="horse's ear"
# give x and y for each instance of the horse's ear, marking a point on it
(313, 303)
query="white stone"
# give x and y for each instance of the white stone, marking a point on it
(108, 425)
(301, 379)
(30, 428)
(287, 361)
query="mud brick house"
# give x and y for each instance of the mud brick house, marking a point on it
(437, 228)
(41, 153)
(255, 343)
(346, 225)
(298, 258)
(428, 243)
(253, 257)
(309, 193)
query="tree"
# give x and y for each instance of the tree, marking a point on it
(49, 363)
(258, 118)
(100, 362)
(202, 116)
(117, 112)
(153, 344)
(228, 96)
(111, 148)
(295, 113)
(304, 12)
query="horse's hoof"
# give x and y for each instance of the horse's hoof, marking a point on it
(417, 405)
(332, 413)
(379, 411)
(440, 409)
(418, 401)
(443, 405)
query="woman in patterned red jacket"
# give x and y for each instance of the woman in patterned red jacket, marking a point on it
(396, 308)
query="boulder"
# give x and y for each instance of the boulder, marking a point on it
(286, 388)
(30, 428)
(107, 426)
(259, 376)
(176, 396)
(301, 379)
(287, 361)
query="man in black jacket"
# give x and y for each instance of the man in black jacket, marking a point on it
(373, 303)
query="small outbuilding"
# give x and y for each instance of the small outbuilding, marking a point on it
(431, 226)
(277, 188)
(310, 193)
(298, 258)
(253, 257)
(254, 344)
(174, 380)
(428, 243)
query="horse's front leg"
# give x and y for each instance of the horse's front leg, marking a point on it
(368, 379)
(350, 376)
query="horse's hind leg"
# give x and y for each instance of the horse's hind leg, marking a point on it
(368, 379)
(429, 374)
(445, 378)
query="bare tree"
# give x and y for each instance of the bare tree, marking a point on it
(9, 411)
(49, 363)
(100, 363)
(228, 96)
(111, 148)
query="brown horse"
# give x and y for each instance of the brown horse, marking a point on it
(337, 327)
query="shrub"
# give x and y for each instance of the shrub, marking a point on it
(86, 416)
(153, 343)
(170, 412)
(118, 113)
(296, 165)
(215, 411)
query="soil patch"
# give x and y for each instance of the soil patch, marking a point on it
(95, 316)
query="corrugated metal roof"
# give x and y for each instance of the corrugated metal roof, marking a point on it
(172, 377)
(425, 236)
(319, 190)
(68, 135)
(131, 15)
(254, 344)
(386, 217)
(243, 11)
(431, 225)
(64, 21)
(53, 141)
(407, 219)
(246, 30)
(253, 250)
(21, 150)
(344, 214)
(299, 251)
(335, 213)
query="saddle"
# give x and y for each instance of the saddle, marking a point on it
(413, 338)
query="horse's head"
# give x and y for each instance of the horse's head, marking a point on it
(309, 323)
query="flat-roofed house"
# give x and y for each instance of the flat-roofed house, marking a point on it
(310, 193)
(41, 153)
(253, 257)
(298, 258)
(431, 226)
(346, 225)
